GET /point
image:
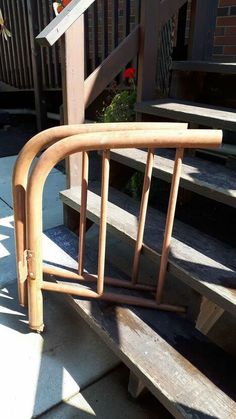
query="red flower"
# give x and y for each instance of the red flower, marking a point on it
(129, 73)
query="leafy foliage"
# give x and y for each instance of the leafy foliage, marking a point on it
(121, 108)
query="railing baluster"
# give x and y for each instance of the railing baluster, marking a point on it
(169, 222)
(103, 220)
(126, 18)
(94, 29)
(83, 209)
(142, 214)
(115, 32)
(104, 29)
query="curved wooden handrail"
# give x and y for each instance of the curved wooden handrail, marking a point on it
(85, 142)
(21, 171)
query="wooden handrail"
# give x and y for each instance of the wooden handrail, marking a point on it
(58, 26)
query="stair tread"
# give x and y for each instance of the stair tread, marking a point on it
(205, 66)
(188, 374)
(185, 111)
(203, 177)
(204, 263)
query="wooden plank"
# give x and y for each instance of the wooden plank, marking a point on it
(212, 116)
(205, 66)
(169, 8)
(200, 261)
(108, 70)
(63, 22)
(114, 24)
(200, 176)
(202, 29)
(73, 88)
(208, 316)
(135, 386)
(148, 52)
(36, 66)
(189, 375)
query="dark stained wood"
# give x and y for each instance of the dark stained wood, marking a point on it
(205, 66)
(147, 60)
(114, 15)
(202, 29)
(73, 88)
(202, 114)
(204, 263)
(111, 67)
(169, 8)
(203, 177)
(187, 373)
(104, 29)
(94, 30)
(36, 66)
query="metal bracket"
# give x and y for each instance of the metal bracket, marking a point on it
(31, 268)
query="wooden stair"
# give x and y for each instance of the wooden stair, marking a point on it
(205, 66)
(190, 375)
(203, 177)
(203, 263)
(184, 111)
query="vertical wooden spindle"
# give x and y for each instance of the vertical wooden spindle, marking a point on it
(103, 220)
(169, 222)
(83, 208)
(142, 215)
(115, 18)
(104, 29)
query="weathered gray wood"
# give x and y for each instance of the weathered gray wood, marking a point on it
(188, 374)
(198, 113)
(110, 67)
(208, 316)
(205, 66)
(135, 386)
(203, 177)
(63, 21)
(204, 263)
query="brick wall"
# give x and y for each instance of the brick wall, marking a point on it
(225, 33)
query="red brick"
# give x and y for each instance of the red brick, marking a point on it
(223, 3)
(230, 50)
(231, 30)
(225, 40)
(226, 21)
(220, 31)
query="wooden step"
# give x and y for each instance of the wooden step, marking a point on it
(211, 116)
(205, 264)
(205, 66)
(198, 175)
(187, 373)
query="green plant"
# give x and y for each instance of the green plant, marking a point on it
(121, 108)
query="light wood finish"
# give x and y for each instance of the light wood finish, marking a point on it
(198, 175)
(209, 314)
(62, 22)
(82, 228)
(135, 386)
(73, 91)
(142, 215)
(81, 143)
(205, 66)
(224, 118)
(169, 222)
(20, 178)
(103, 220)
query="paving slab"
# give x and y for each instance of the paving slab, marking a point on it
(108, 398)
(39, 371)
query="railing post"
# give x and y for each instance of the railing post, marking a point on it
(40, 105)
(148, 53)
(73, 90)
(202, 28)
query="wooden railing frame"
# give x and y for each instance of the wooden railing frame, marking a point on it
(30, 189)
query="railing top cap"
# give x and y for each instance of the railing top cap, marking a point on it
(58, 26)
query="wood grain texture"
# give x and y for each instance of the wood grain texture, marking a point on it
(204, 263)
(203, 177)
(188, 374)
(212, 116)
